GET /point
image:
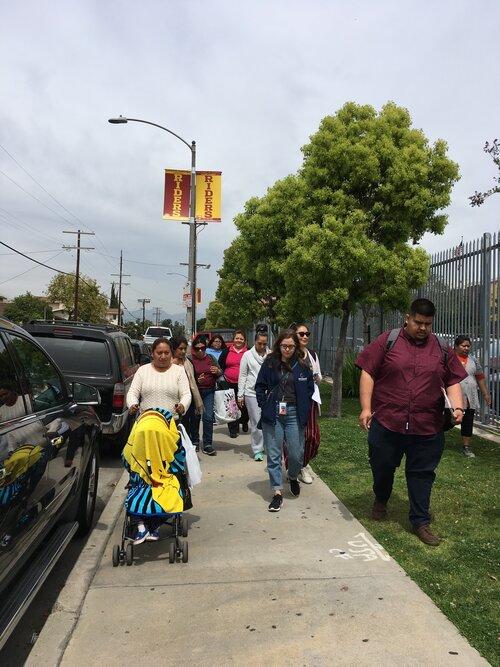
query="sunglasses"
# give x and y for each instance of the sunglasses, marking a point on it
(304, 333)
(200, 348)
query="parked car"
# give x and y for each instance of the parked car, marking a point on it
(152, 333)
(101, 356)
(142, 353)
(49, 467)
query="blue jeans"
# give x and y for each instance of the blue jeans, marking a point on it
(286, 427)
(207, 396)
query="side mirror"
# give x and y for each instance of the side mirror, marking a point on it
(84, 394)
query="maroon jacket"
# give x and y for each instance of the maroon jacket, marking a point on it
(202, 368)
(407, 396)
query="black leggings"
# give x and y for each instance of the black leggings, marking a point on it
(467, 423)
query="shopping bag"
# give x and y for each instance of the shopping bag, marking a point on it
(193, 468)
(225, 407)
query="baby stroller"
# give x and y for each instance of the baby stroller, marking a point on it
(158, 491)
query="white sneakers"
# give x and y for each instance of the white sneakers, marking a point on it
(305, 475)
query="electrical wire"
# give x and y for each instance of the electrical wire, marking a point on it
(28, 270)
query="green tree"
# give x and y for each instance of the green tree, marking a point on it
(494, 151)
(130, 328)
(92, 303)
(201, 323)
(26, 307)
(373, 184)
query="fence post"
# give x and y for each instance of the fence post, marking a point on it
(486, 312)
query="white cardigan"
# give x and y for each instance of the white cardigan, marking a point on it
(251, 361)
(156, 389)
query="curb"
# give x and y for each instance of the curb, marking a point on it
(51, 644)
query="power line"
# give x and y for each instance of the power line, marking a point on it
(5, 213)
(33, 252)
(137, 261)
(28, 270)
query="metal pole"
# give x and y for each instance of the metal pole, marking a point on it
(191, 314)
(120, 291)
(485, 311)
(77, 277)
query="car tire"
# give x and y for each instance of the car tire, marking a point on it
(88, 494)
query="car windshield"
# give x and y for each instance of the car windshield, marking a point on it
(85, 357)
(158, 332)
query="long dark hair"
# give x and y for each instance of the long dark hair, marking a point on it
(275, 356)
(175, 341)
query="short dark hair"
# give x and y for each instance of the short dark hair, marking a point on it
(422, 307)
(200, 338)
(461, 339)
(260, 334)
(158, 341)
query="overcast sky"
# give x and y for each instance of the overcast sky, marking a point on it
(249, 82)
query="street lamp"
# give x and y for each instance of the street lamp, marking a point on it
(192, 220)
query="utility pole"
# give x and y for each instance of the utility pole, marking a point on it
(78, 247)
(144, 302)
(157, 315)
(120, 284)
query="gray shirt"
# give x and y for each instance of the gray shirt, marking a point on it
(469, 385)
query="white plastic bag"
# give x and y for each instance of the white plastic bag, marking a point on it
(225, 407)
(193, 468)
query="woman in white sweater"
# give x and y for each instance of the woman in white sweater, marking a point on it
(251, 362)
(160, 384)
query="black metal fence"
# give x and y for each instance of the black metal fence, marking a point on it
(464, 283)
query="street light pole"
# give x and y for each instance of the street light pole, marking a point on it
(191, 319)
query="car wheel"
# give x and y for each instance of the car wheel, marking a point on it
(88, 494)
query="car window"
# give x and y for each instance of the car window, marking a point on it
(158, 332)
(12, 403)
(74, 355)
(44, 379)
(126, 355)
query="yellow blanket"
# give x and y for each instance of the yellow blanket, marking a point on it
(150, 449)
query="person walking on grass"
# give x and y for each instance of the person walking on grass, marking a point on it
(206, 372)
(284, 390)
(251, 363)
(229, 361)
(475, 378)
(312, 434)
(403, 374)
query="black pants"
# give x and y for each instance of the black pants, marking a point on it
(243, 420)
(467, 423)
(423, 453)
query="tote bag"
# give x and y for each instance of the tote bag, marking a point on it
(193, 468)
(225, 407)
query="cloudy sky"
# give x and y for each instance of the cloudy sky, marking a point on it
(249, 81)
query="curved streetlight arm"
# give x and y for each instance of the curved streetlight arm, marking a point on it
(124, 119)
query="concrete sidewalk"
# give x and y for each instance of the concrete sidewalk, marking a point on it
(306, 586)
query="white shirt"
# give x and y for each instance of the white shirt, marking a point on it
(156, 389)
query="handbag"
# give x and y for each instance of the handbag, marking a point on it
(225, 406)
(449, 420)
(193, 468)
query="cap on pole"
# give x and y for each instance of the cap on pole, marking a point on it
(120, 119)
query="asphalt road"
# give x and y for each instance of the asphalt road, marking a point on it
(18, 647)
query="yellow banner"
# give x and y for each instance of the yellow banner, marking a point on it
(208, 196)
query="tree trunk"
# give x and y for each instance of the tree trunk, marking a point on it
(336, 399)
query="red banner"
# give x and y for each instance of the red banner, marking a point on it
(177, 195)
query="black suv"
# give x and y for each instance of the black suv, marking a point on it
(101, 356)
(49, 466)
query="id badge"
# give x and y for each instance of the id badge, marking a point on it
(282, 408)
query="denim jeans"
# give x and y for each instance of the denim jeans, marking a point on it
(286, 427)
(207, 396)
(423, 453)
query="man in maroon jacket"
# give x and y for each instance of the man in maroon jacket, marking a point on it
(401, 395)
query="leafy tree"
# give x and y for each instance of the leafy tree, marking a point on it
(494, 150)
(26, 307)
(373, 184)
(130, 328)
(201, 323)
(178, 329)
(92, 303)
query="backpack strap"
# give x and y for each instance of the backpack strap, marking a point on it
(444, 348)
(393, 335)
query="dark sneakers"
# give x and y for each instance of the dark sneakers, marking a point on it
(426, 536)
(294, 487)
(379, 511)
(276, 503)
(209, 451)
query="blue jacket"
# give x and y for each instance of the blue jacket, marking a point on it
(266, 390)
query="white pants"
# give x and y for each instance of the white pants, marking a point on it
(257, 439)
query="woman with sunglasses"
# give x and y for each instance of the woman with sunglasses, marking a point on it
(312, 439)
(206, 372)
(284, 389)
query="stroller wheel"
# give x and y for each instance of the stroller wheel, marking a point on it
(185, 552)
(171, 552)
(116, 555)
(130, 553)
(184, 527)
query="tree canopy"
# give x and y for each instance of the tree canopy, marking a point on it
(92, 303)
(479, 198)
(26, 307)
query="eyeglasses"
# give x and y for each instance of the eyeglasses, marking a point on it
(304, 333)
(200, 348)
(287, 347)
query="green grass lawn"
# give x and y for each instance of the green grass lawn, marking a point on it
(461, 575)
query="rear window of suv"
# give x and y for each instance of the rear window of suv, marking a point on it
(157, 332)
(73, 355)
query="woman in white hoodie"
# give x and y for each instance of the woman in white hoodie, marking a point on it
(250, 365)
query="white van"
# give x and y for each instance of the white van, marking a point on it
(152, 333)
